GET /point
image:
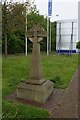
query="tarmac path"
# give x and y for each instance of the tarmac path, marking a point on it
(68, 108)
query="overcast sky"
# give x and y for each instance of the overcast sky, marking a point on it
(65, 10)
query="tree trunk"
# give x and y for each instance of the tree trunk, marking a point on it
(5, 43)
(5, 25)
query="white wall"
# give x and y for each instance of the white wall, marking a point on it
(79, 21)
(66, 31)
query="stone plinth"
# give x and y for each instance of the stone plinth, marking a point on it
(39, 93)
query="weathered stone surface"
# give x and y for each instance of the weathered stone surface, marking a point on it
(39, 93)
(36, 88)
(36, 75)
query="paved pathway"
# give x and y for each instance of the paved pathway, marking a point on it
(68, 108)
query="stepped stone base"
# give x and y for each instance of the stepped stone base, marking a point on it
(39, 93)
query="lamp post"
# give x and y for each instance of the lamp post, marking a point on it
(57, 43)
(50, 35)
(48, 23)
(57, 15)
(47, 35)
(26, 25)
(28, 4)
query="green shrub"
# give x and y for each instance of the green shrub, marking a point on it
(58, 81)
(78, 45)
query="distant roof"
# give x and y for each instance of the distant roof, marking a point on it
(68, 20)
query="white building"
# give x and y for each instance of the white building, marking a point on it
(66, 36)
(79, 21)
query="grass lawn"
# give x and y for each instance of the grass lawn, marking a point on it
(58, 68)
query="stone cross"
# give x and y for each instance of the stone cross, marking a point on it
(36, 88)
(35, 35)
